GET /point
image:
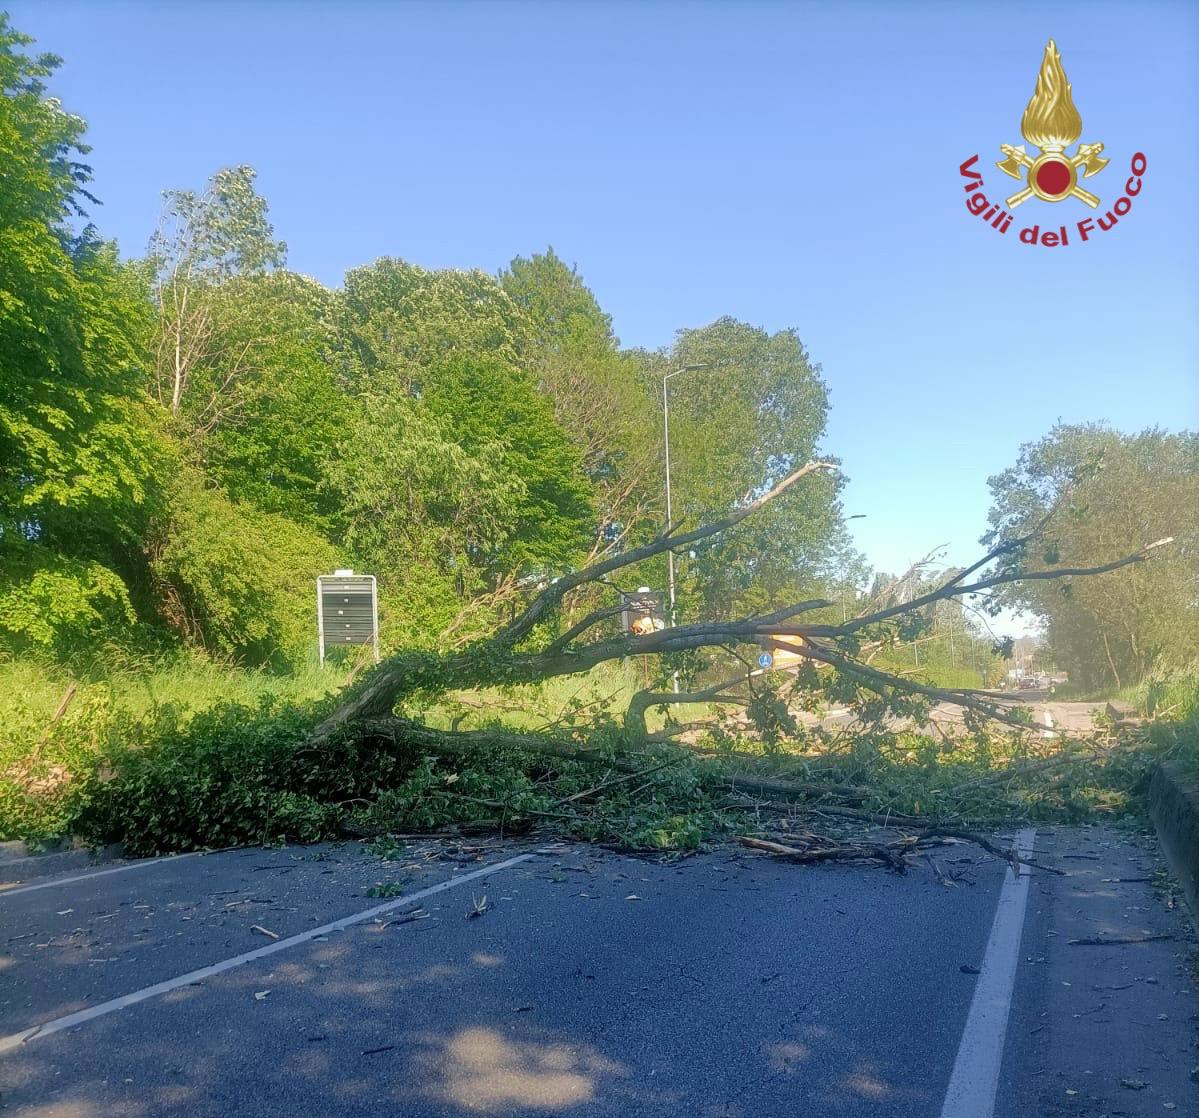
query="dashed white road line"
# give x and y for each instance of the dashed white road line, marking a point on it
(48, 1028)
(102, 873)
(974, 1082)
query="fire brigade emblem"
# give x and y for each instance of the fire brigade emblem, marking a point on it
(1051, 123)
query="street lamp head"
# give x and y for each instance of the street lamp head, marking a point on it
(687, 369)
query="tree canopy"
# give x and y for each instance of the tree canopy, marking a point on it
(189, 438)
(1105, 494)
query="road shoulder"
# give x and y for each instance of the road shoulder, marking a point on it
(1102, 1028)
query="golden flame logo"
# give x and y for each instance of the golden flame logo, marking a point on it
(1051, 123)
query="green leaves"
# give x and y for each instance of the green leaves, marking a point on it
(80, 453)
(224, 232)
(397, 319)
(454, 474)
(57, 603)
(753, 412)
(597, 393)
(1111, 494)
(236, 581)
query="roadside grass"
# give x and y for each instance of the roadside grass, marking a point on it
(119, 702)
(1169, 695)
(122, 705)
(1171, 700)
(137, 685)
(542, 706)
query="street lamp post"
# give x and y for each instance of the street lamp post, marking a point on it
(669, 505)
(857, 592)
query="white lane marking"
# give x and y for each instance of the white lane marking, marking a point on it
(71, 1020)
(974, 1081)
(101, 873)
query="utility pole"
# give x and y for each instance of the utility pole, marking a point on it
(669, 505)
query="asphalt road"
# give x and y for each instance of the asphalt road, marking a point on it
(725, 986)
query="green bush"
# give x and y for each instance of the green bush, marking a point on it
(219, 781)
(238, 582)
(52, 602)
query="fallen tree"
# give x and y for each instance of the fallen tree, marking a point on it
(538, 645)
(531, 648)
(390, 754)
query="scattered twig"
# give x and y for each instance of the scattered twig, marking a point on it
(405, 918)
(1115, 941)
(1009, 855)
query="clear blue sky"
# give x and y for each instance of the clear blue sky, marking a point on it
(791, 165)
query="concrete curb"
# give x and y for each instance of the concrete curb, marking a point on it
(19, 864)
(1174, 808)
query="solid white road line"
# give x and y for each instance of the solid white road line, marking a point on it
(101, 873)
(974, 1081)
(71, 1020)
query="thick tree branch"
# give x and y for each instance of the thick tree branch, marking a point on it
(642, 701)
(548, 599)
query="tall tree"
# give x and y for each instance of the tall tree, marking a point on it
(270, 450)
(596, 392)
(451, 437)
(749, 409)
(79, 453)
(204, 243)
(1103, 491)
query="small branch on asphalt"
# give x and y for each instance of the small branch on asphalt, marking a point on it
(1115, 941)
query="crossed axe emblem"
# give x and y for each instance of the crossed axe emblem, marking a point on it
(1087, 157)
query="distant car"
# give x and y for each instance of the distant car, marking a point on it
(1028, 684)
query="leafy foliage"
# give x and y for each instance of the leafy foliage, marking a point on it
(221, 780)
(398, 319)
(749, 410)
(272, 438)
(1110, 495)
(80, 454)
(598, 394)
(236, 581)
(56, 602)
